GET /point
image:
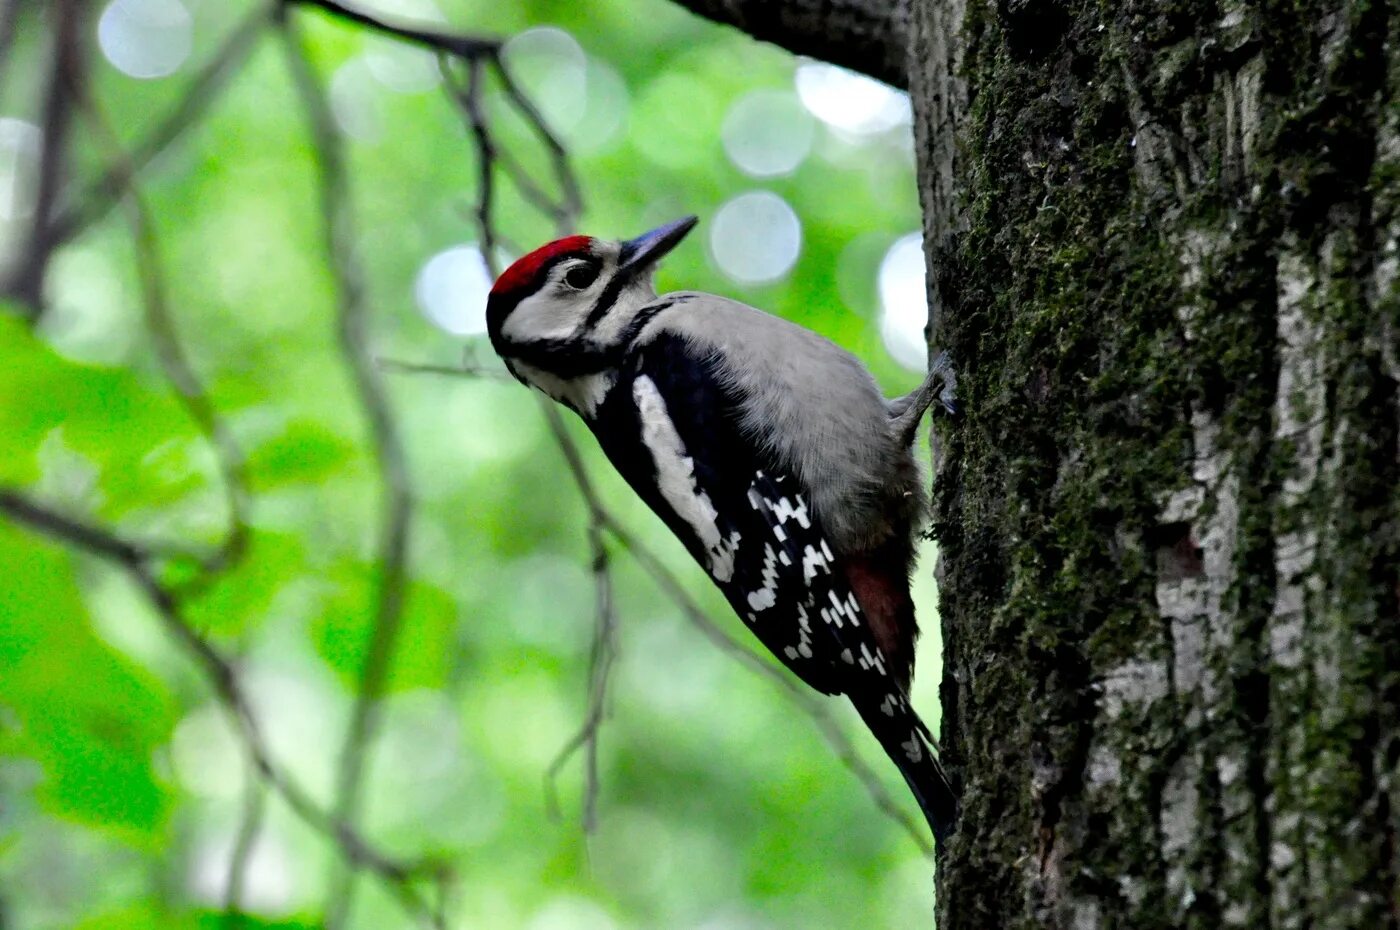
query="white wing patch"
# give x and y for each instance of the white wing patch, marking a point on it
(675, 476)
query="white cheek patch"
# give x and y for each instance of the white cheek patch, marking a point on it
(675, 476)
(544, 316)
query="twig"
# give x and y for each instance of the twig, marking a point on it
(174, 363)
(604, 649)
(600, 664)
(395, 505)
(468, 95)
(66, 72)
(469, 100)
(572, 203)
(98, 196)
(100, 542)
(453, 371)
(249, 826)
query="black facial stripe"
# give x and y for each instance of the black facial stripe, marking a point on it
(607, 299)
(565, 358)
(643, 317)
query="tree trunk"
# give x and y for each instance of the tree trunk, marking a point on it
(1163, 253)
(1162, 242)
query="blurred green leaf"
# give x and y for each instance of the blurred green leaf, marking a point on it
(239, 598)
(88, 715)
(305, 452)
(425, 642)
(106, 414)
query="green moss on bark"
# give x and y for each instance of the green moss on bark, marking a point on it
(1161, 203)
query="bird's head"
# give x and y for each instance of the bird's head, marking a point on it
(564, 309)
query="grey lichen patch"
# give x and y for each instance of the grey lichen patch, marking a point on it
(1180, 827)
(1105, 767)
(1132, 683)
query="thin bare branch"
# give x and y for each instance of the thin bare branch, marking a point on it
(52, 523)
(600, 664)
(171, 355)
(97, 197)
(395, 505)
(452, 371)
(871, 36)
(469, 101)
(572, 204)
(69, 64)
(249, 826)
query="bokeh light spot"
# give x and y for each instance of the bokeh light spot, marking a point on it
(848, 101)
(355, 101)
(91, 317)
(755, 237)
(767, 133)
(270, 877)
(904, 302)
(606, 105)
(553, 68)
(402, 68)
(452, 288)
(146, 38)
(206, 754)
(568, 912)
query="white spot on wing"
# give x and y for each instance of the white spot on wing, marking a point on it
(675, 475)
(869, 660)
(766, 596)
(786, 510)
(812, 560)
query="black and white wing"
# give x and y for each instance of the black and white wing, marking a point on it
(674, 429)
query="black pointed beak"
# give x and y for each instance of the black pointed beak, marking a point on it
(647, 249)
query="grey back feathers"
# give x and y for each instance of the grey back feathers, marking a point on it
(815, 407)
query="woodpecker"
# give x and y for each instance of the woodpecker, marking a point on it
(766, 448)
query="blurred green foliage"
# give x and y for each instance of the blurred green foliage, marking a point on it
(121, 783)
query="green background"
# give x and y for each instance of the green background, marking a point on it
(121, 786)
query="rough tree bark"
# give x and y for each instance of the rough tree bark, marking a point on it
(1162, 242)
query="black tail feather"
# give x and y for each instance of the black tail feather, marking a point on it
(905, 740)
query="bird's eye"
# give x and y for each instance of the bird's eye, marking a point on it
(581, 276)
